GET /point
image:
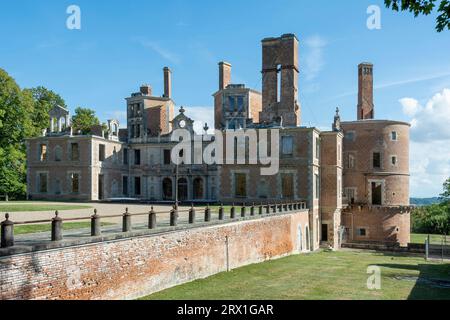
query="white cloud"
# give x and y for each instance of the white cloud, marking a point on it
(314, 60)
(201, 115)
(430, 143)
(410, 106)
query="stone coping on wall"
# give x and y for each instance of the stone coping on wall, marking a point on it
(24, 247)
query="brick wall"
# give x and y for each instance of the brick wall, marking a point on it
(139, 266)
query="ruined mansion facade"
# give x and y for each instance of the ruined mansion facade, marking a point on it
(354, 178)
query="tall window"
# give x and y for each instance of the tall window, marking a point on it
(287, 185)
(240, 187)
(137, 157)
(75, 177)
(377, 160)
(167, 160)
(317, 193)
(101, 152)
(74, 152)
(125, 156)
(137, 186)
(43, 183)
(287, 145)
(351, 161)
(317, 148)
(394, 136)
(43, 152)
(125, 185)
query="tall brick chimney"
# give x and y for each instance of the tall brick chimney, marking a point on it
(146, 90)
(365, 91)
(167, 83)
(224, 75)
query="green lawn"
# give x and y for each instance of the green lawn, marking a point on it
(35, 228)
(37, 206)
(320, 276)
(434, 238)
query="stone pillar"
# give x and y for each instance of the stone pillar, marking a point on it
(152, 219)
(243, 211)
(233, 212)
(207, 214)
(192, 215)
(57, 228)
(173, 217)
(126, 221)
(7, 235)
(95, 225)
(221, 212)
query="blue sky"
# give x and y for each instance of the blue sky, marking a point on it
(123, 44)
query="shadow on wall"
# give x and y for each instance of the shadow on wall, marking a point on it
(432, 283)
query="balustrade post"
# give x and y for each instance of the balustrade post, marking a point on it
(221, 212)
(207, 214)
(174, 217)
(233, 212)
(126, 221)
(152, 219)
(192, 215)
(57, 227)
(7, 232)
(95, 225)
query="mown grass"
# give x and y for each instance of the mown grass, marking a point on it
(36, 228)
(320, 276)
(36, 206)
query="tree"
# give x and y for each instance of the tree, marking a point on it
(16, 124)
(84, 119)
(424, 7)
(446, 194)
(44, 100)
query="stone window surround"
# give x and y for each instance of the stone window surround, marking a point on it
(357, 231)
(396, 160)
(38, 181)
(287, 155)
(40, 152)
(55, 152)
(69, 179)
(391, 135)
(233, 181)
(355, 192)
(294, 173)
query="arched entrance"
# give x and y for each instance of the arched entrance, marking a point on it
(182, 189)
(167, 189)
(198, 188)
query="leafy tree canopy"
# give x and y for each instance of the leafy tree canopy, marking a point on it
(44, 100)
(84, 119)
(446, 194)
(424, 7)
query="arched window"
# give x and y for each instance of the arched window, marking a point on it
(167, 189)
(198, 188)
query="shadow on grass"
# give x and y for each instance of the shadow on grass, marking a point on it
(432, 283)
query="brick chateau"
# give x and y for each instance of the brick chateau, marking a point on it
(354, 178)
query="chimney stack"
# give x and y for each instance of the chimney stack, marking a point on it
(146, 90)
(167, 83)
(224, 75)
(365, 91)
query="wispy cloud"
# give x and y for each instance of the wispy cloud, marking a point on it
(314, 59)
(158, 49)
(398, 83)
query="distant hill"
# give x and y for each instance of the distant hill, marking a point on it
(425, 201)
